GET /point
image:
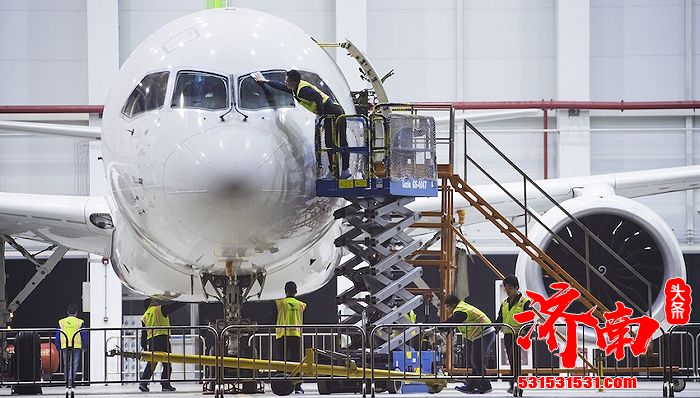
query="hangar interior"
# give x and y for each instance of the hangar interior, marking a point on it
(458, 51)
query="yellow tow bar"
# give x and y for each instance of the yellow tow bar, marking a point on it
(307, 367)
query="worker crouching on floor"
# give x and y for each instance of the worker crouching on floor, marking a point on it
(479, 341)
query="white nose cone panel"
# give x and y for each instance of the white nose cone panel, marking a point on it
(223, 184)
(198, 183)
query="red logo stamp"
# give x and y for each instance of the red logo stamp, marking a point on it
(613, 333)
(677, 303)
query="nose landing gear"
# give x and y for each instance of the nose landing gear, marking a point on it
(232, 291)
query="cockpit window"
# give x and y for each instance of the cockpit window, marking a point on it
(200, 90)
(254, 95)
(149, 94)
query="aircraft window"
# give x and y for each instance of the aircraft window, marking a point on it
(200, 90)
(149, 94)
(254, 95)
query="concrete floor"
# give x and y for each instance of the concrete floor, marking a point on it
(644, 390)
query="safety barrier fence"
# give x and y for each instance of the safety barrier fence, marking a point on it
(285, 356)
(683, 357)
(338, 358)
(27, 373)
(132, 355)
(180, 343)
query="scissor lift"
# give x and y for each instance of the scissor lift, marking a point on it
(396, 162)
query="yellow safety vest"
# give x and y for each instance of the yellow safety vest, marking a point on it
(290, 311)
(154, 317)
(509, 312)
(411, 316)
(69, 326)
(474, 315)
(310, 105)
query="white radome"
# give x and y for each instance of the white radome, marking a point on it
(198, 191)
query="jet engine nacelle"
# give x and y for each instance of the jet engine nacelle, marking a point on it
(633, 231)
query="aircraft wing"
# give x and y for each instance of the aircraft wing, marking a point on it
(77, 222)
(628, 184)
(91, 132)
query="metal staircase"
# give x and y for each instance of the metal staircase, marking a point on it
(548, 265)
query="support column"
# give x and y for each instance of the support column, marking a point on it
(4, 313)
(351, 24)
(105, 304)
(459, 50)
(573, 84)
(688, 55)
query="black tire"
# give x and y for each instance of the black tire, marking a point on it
(379, 387)
(28, 356)
(678, 385)
(249, 387)
(390, 386)
(27, 362)
(324, 387)
(282, 387)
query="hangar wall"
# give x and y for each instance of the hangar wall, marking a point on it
(448, 50)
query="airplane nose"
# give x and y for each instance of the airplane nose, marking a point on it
(222, 182)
